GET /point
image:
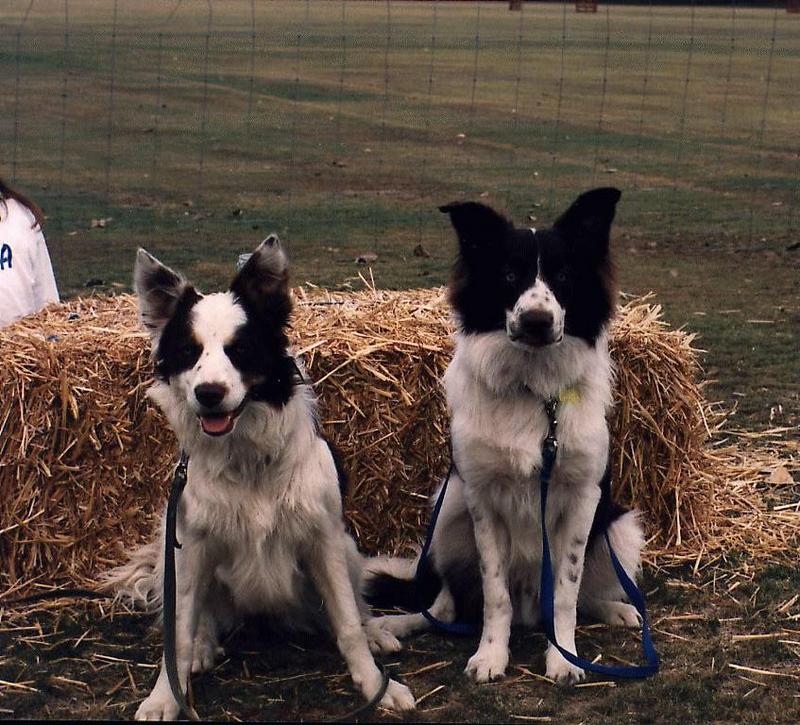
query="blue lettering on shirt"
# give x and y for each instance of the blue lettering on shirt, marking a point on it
(5, 256)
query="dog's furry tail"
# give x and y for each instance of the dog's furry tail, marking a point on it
(139, 581)
(395, 582)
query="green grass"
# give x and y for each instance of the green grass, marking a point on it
(350, 138)
(334, 82)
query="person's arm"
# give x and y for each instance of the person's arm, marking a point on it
(45, 290)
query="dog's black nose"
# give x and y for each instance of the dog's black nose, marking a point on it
(537, 324)
(210, 395)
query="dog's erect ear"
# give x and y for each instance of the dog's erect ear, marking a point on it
(263, 282)
(159, 290)
(478, 226)
(587, 223)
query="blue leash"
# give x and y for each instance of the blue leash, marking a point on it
(546, 594)
(546, 591)
(457, 628)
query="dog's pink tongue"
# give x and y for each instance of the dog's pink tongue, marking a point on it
(217, 425)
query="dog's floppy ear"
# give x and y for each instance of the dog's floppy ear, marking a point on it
(159, 290)
(263, 283)
(587, 222)
(478, 226)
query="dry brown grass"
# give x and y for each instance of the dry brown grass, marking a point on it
(85, 459)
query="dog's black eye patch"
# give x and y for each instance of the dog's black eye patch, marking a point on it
(178, 349)
(258, 351)
(241, 353)
(582, 287)
(483, 290)
(188, 354)
(519, 273)
(557, 273)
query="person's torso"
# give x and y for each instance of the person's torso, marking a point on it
(18, 242)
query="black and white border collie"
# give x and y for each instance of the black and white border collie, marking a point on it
(260, 520)
(533, 311)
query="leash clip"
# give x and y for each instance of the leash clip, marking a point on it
(181, 470)
(550, 447)
(551, 408)
(550, 443)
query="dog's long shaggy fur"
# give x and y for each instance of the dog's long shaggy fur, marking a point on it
(533, 309)
(260, 520)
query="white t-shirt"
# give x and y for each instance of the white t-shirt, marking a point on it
(26, 276)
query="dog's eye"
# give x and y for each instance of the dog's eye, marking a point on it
(511, 277)
(238, 349)
(188, 351)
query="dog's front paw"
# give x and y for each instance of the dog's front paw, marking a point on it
(159, 705)
(561, 671)
(487, 664)
(380, 639)
(398, 698)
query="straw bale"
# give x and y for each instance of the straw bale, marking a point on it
(85, 458)
(82, 454)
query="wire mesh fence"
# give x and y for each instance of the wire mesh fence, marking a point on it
(198, 127)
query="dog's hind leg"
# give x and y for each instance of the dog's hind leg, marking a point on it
(405, 625)
(205, 648)
(602, 596)
(391, 582)
(525, 601)
(380, 640)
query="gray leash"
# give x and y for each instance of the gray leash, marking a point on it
(172, 543)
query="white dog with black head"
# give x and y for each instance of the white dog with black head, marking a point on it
(533, 309)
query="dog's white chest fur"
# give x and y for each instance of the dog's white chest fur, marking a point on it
(254, 535)
(496, 396)
(255, 502)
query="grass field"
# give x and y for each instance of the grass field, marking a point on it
(342, 125)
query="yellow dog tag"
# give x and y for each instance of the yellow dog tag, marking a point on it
(570, 395)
